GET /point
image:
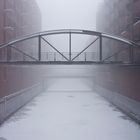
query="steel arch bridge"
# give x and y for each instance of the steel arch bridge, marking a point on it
(70, 57)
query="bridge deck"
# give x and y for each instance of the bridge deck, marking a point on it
(62, 63)
(65, 114)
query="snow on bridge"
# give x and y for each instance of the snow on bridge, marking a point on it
(69, 110)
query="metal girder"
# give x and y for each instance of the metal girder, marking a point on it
(39, 48)
(72, 31)
(101, 49)
(70, 49)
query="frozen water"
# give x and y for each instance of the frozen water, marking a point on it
(69, 110)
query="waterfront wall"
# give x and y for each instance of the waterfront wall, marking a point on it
(119, 85)
(11, 103)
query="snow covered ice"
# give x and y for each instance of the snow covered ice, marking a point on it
(69, 110)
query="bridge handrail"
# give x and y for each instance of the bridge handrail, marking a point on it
(8, 97)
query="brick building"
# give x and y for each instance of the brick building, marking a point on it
(120, 18)
(17, 18)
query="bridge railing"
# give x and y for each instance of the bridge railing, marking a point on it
(53, 56)
(11, 103)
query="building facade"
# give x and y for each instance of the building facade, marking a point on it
(120, 84)
(120, 18)
(17, 18)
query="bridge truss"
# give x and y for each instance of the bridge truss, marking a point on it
(100, 55)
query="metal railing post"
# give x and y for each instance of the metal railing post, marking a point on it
(85, 56)
(24, 58)
(47, 56)
(131, 54)
(55, 56)
(8, 54)
(5, 109)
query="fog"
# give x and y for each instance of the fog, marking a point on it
(68, 14)
(77, 102)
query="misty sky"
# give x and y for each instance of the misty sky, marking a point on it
(69, 14)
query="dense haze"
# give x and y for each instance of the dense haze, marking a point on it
(64, 14)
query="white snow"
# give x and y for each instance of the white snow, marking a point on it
(69, 110)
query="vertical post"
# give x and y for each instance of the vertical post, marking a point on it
(131, 54)
(62, 57)
(85, 56)
(55, 56)
(39, 48)
(70, 46)
(8, 53)
(5, 107)
(24, 58)
(101, 49)
(47, 57)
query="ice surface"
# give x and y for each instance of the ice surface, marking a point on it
(69, 110)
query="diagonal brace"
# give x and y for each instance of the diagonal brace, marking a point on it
(55, 48)
(85, 48)
(116, 53)
(24, 53)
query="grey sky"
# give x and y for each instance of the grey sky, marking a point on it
(75, 14)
